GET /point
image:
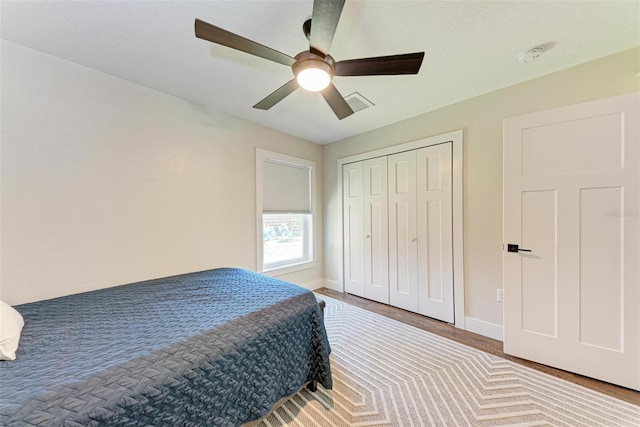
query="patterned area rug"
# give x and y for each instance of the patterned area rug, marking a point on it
(386, 373)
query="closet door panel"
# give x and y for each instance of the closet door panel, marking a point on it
(353, 225)
(376, 225)
(435, 227)
(403, 290)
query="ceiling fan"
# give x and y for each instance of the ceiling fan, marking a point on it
(314, 68)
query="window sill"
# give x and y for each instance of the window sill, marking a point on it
(279, 271)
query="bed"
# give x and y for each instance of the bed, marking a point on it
(217, 347)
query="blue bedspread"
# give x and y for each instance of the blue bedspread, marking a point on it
(215, 348)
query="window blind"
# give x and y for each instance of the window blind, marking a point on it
(286, 188)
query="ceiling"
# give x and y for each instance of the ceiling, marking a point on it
(471, 48)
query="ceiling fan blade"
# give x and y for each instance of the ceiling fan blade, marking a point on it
(324, 20)
(214, 34)
(337, 102)
(408, 63)
(278, 95)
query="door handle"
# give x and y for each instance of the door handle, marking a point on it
(514, 248)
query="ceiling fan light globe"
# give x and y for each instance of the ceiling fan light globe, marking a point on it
(313, 79)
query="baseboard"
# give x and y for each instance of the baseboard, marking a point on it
(322, 283)
(477, 326)
(333, 284)
(484, 328)
(314, 284)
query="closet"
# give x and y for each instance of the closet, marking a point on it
(397, 224)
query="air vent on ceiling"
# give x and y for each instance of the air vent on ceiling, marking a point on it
(357, 102)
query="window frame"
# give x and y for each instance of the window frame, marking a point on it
(309, 237)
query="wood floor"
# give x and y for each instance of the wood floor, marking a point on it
(478, 341)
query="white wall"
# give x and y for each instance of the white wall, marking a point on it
(106, 182)
(481, 119)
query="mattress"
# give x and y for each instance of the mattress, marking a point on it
(217, 347)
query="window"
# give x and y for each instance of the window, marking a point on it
(285, 187)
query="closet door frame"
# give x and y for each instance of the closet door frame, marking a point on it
(456, 140)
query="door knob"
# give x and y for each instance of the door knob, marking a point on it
(514, 248)
(415, 239)
(368, 235)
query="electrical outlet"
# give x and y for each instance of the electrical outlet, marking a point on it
(500, 295)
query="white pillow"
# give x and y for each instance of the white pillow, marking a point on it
(11, 324)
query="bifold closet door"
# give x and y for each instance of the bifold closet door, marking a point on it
(366, 238)
(353, 228)
(435, 232)
(421, 232)
(403, 232)
(398, 230)
(376, 225)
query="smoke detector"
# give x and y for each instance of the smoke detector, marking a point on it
(531, 54)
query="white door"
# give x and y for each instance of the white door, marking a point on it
(376, 224)
(403, 232)
(571, 197)
(435, 232)
(353, 198)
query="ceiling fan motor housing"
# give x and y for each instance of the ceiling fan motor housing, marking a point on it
(306, 28)
(313, 72)
(309, 59)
